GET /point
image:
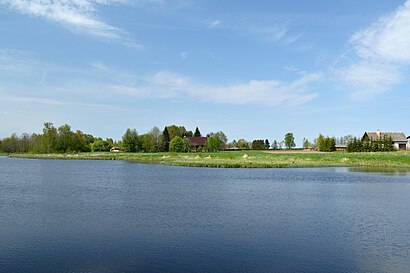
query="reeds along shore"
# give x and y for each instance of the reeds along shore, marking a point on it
(247, 159)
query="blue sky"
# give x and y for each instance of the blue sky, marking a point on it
(253, 69)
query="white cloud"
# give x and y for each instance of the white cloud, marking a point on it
(77, 15)
(99, 80)
(184, 55)
(215, 24)
(370, 78)
(381, 53)
(388, 39)
(278, 33)
(257, 92)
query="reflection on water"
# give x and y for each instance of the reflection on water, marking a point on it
(381, 170)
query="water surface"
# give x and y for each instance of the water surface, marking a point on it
(117, 216)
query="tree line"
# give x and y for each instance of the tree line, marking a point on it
(52, 140)
(383, 144)
(63, 139)
(172, 138)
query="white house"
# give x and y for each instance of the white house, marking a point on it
(408, 143)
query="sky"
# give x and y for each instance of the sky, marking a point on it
(252, 69)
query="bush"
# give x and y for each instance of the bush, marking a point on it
(178, 145)
(258, 144)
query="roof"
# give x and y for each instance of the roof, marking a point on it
(197, 141)
(341, 146)
(395, 136)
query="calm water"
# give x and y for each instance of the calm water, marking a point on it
(115, 216)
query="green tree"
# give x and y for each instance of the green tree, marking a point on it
(275, 145)
(242, 144)
(148, 143)
(36, 144)
(258, 144)
(222, 137)
(80, 142)
(306, 143)
(197, 132)
(10, 144)
(267, 144)
(320, 142)
(289, 141)
(100, 146)
(49, 138)
(156, 136)
(165, 139)
(174, 131)
(130, 140)
(178, 145)
(24, 143)
(213, 144)
(65, 139)
(326, 144)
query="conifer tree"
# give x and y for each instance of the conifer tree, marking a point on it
(165, 139)
(197, 132)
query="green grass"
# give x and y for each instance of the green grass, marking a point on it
(247, 159)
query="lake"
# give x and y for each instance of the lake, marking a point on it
(118, 216)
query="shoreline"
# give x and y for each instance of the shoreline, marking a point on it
(246, 159)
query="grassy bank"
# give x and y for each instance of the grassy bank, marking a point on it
(248, 159)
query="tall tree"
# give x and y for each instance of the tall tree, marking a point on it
(320, 142)
(213, 144)
(289, 141)
(267, 144)
(197, 132)
(156, 135)
(275, 145)
(174, 131)
(65, 141)
(326, 144)
(130, 140)
(306, 143)
(222, 137)
(165, 139)
(148, 143)
(49, 138)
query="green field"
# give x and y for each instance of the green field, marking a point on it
(248, 159)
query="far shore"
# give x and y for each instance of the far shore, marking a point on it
(247, 159)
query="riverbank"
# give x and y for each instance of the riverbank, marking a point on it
(247, 159)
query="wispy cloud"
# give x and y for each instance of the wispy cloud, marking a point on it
(276, 32)
(215, 24)
(271, 33)
(257, 92)
(22, 66)
(100, 80)
(379, 55)
(184, 55)
(80, 16)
